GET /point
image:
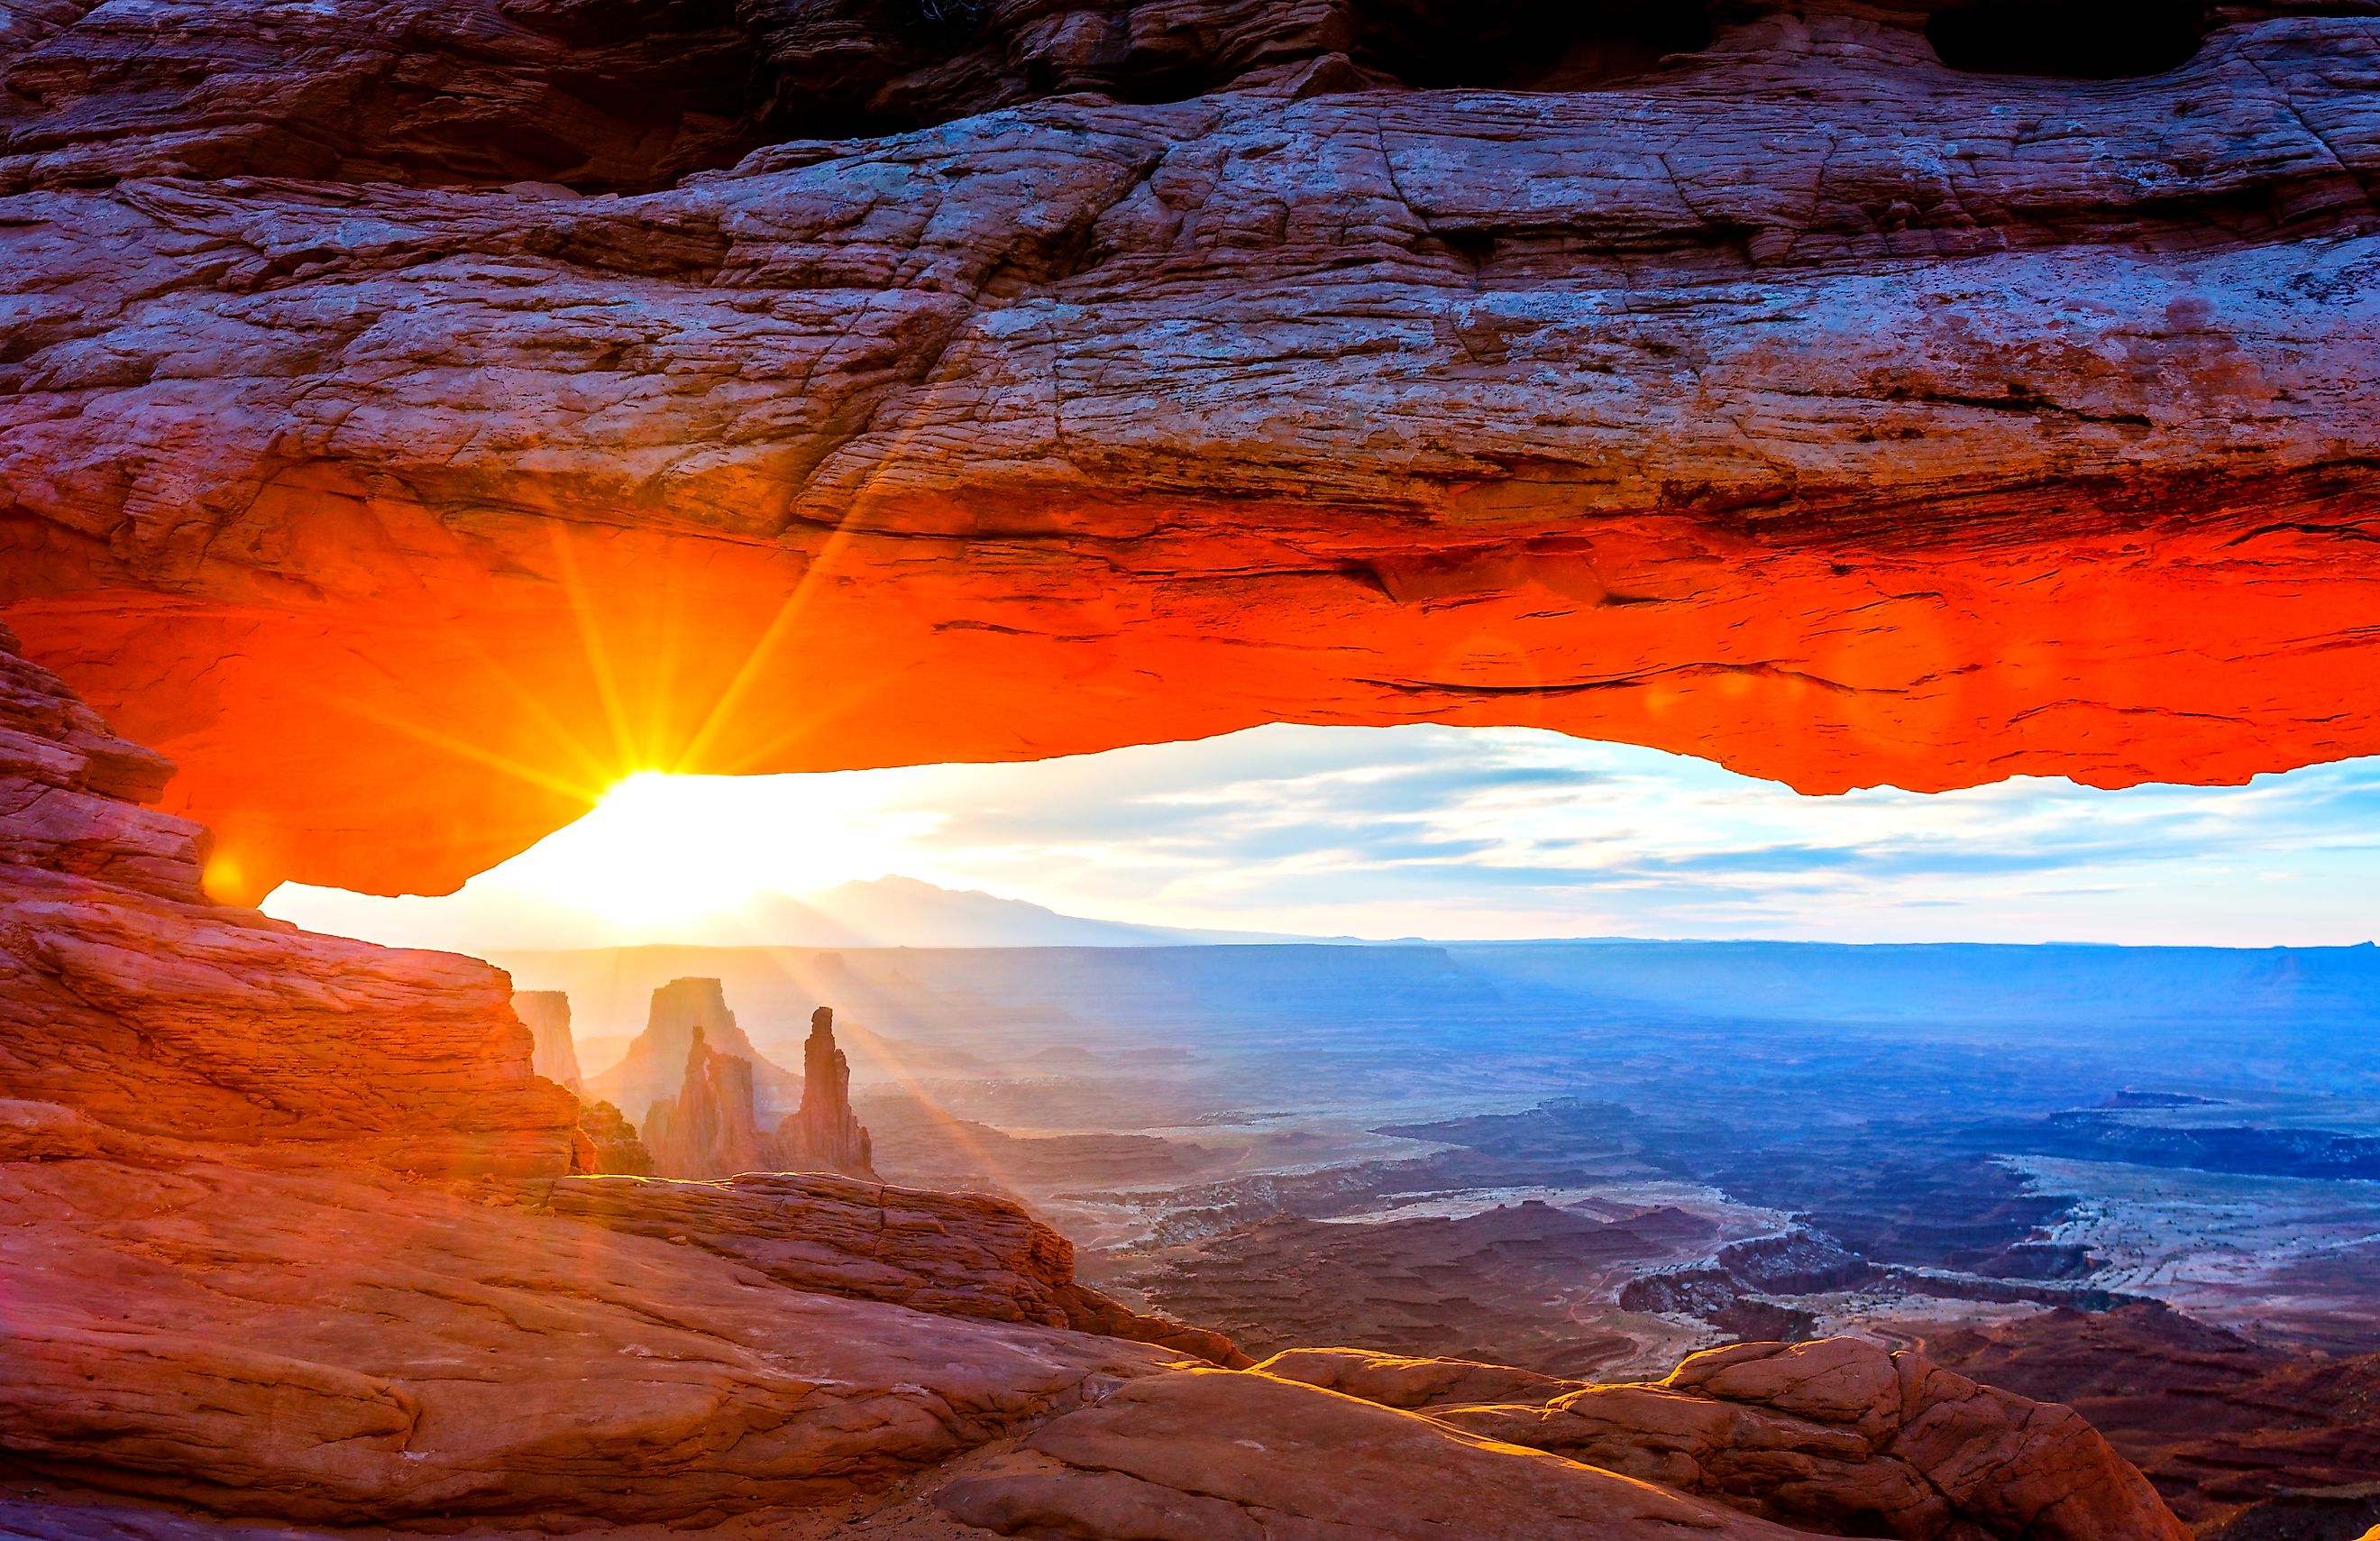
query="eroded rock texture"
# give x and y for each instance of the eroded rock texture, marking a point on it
(1832, 1437)
(706, 1127)
(324, 1347)
(823, 1134)
(617, 1147)
(2233, 1432)
(1219, 1456)
(1840, 1436)
(964, 1255)
(1799, 400)
(129, 996)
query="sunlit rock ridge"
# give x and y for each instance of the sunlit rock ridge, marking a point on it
(418, 415)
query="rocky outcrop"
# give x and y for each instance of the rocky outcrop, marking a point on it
(1844, 1438)
(1395, 1380)
(710, 1125)
(1805, 402)
(1219, 1456)
(2232, 1431)
(126, 995)
(228, 1284)
(823, 1135)
(546, 1014)
(656, 1063)
(614, 1146)
(337, 1348)
(618, 94)
(707, 1128)
(956, 1253)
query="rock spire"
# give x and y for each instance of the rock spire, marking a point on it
(654, 1066)
(824, 1135)
(708, 1129)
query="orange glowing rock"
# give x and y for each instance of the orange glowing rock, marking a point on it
(405, 742)
(1776, 407)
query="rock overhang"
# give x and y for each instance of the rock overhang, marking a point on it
(1809, 405)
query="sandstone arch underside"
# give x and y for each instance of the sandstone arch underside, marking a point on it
(1801, 403)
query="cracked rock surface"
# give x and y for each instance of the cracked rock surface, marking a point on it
(1839, 1433)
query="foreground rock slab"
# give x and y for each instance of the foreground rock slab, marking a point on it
(1224, 1456)
(964, 1255)
(329, 1348)
(1841, 1435)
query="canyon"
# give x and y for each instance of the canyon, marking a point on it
(416, 417)
(710, 1124)
(2128, 1180)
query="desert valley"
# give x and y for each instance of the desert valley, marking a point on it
(1589, 1159)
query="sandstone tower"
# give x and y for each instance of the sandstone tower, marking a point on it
(824, 1135)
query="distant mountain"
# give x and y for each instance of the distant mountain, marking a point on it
(884, 912)
(904, 911)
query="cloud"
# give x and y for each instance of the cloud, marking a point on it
(1453, 832)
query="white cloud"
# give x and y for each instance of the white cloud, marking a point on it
(1457, 833)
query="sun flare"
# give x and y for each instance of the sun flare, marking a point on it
(661, 848)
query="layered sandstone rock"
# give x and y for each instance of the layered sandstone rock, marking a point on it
(823, 1134)
(1799, 401)
(683, 1011)
(483, 91)
(706, 1128)
(964, 1255)
(711, 1125)
(546, 1014)
(324, 1346)
(2232, 1431)
(617, 1147)
(1219, 1456)
(126, 995)
(1842, 1436)
(221, 1292)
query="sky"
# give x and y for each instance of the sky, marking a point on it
(1442, 833)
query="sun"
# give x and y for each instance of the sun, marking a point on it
(661, 849)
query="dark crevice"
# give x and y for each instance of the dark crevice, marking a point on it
(1528, 44)
(2079, 40)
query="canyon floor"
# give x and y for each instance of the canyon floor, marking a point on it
(1495, 1154)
